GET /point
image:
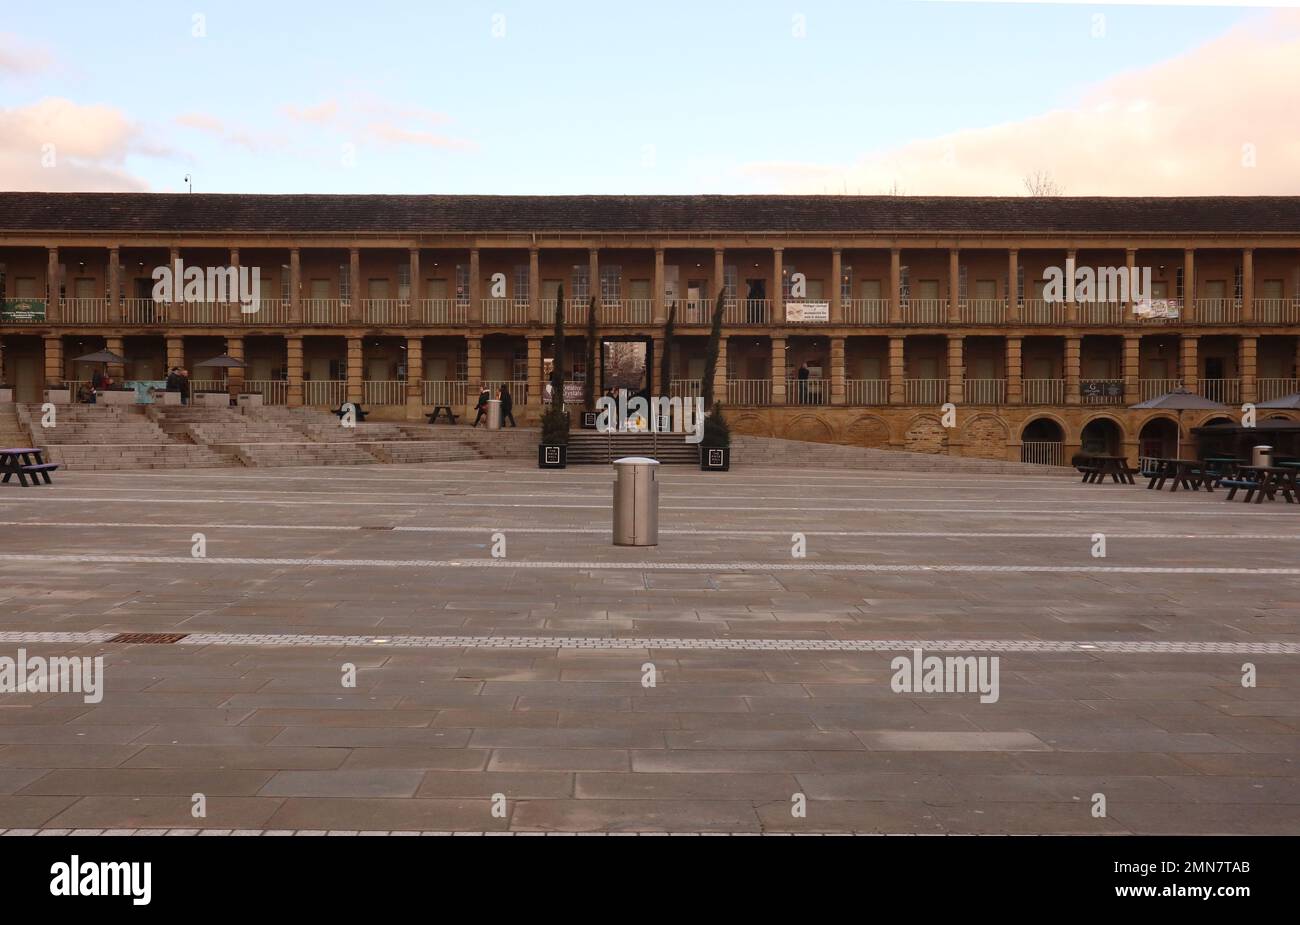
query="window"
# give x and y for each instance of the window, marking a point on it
(904, 285)
(611, 281)
(404, 280)
(729, 277)
(787, 276)
(581, 278)
(345, 282)
(846, 283)
(522, 282)
(462, 282)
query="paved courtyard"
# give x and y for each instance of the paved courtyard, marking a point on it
(510, 694)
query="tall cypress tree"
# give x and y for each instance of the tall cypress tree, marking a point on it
(557, 370)
(711, 354)
(666, 361)
(589, 384)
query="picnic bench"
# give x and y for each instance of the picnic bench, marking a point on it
(25, 462)
(442, 409)
(1260, 482)
(1096, 468)
(1191, 474)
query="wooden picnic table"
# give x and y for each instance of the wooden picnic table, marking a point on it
(1187, 473)
(1096, 468)
(25, 462)
(440, 410)
(1260, 482)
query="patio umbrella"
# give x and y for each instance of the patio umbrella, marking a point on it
(100, 356)
(1291, 401)
(225, 360)
(1179, 400)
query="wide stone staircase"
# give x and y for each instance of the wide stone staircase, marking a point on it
(112, 437)
(12, 433)
(591, 447)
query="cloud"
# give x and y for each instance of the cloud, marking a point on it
(56, 144)
(255, 142)
(364, 117)
(22, 60)
(1190, 125)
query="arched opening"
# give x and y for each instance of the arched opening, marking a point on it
(1043, 442)
(1100, 437)
(1158, 439)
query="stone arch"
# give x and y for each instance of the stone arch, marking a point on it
(985, 437)
(925, 434)
(750, 424)
(1077, 436)
(1102, 433)
(809, 427)
(1063, 428)
(869, 430)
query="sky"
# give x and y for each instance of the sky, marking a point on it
(918, 97)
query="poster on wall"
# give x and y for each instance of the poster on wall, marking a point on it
(22, 310)
(1156, 308)
(807, 311)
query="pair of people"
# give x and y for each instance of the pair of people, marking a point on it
(503, 396)
(178, 380)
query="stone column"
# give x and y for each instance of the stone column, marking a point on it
(954, 286)
(295, 287)
(1071, 307)
(414, 377)
(1015, 367)
(54, 371)
(234, 310)
(1247, 288)
(1013, 287)
(895, 286)
(778, 290)
(956, 369)
(475, 287)
(535, 384)
(356, 291)
(657, 287)
(1188, 362)
(1247, 352)
(1073, 348)
(837, 366)
(778, 373)
(53, 305)
(117, 371)
(175, 352)
(1132, 368)
(414, 313)
(293, 370)
(720, 373)
(1189, 285)
(114, 285)
(356, 370)
(1130, 262)
(235, 375)
(897, 371)
(173, 311)
(474, 364)
(534, 291)
(837, 307)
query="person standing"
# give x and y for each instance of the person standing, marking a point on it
(184, 376)
(507, 405)
(803, 383)
(484, 396)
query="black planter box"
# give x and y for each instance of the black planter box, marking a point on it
(552, 456)
(715, 458)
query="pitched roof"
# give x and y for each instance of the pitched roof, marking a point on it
(223, 212)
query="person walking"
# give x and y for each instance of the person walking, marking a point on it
(507, 404)
(484, 396)
(184, 376)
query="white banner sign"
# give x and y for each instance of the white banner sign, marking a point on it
(807, 311)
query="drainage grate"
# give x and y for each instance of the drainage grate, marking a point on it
(149, 638)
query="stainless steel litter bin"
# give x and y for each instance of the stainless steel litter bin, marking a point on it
(636, 501)
(1261, 456)
(494, 414)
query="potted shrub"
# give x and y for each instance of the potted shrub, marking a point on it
(715, 445)
(553, 451)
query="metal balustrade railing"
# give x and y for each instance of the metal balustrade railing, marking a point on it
(1153, 388)
(983, 311)
(273, 391)
(384, 392)
(985, 391)
(749, 391)
(1277, 311)
(1041, 311)
(385, 311)
(925, 391)
(1043, 391)
(865, 311)
(324, 311)
(85, 311)
(1276, 388)
(504, 311)
(866, 391)
(444, 311)
(331, 392)
(451, 392)
(807, 391)
(925, 311)
(1227, 391)
(1043, 452)
(747, 311)
(1216, 311)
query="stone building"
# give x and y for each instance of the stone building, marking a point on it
(895, 306)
